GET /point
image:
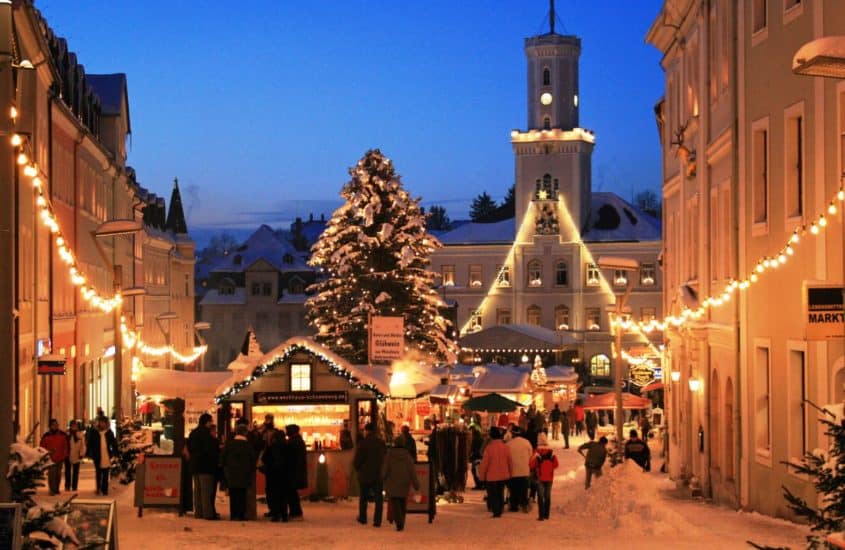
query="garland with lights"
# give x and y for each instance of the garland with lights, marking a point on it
(334, 367)
(90, 294)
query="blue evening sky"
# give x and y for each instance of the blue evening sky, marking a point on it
(260, 107)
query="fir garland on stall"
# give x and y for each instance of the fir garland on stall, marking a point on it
(334, 368)
(43, 526)
(132, 443)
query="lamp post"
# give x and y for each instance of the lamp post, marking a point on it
(114, 228)
(166, 316)
(823, 57)
(627, 265)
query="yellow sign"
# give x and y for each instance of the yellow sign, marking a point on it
(824, 313)
(387, 338)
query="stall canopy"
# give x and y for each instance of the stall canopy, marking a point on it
(492, 402)
(444, 393)
(410, 379)
(516, 338)
(608, 401)
(190, 386)
(501, 379)
(652, 387)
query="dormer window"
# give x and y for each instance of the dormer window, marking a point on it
(237, 259)
(296, 286)
(287, 258)
(547, 77)
(226, 288)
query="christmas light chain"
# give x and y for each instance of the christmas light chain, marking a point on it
(764, 265)
(90, 294)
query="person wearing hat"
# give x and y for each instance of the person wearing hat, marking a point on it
(520, 450)
(543, 463)
(495, 470)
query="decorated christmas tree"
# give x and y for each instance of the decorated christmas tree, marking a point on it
(374, 255)
(827, 471)
(133, 442)
(43, 526)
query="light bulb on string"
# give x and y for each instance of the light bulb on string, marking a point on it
(16, 140)
(22, 159)
(822, 221)
(814, 229)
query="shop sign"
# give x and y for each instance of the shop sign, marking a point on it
(387, 338)
(825, 314)
(162, 480)
(51, 364)
(423, 407)
(641, 375)
(300, 397)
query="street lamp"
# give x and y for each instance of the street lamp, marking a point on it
(619, 264)
(114, 228)
(166, 316)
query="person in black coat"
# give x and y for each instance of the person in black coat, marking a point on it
(276, 467)
(368, 462)
(239, 458)
(203, 455)
(297, 471)
(100, 439)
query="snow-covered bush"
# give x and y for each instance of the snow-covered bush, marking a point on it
(133, 442)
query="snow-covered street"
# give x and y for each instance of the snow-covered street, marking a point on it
(624, 508)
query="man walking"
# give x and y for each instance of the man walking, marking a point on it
(203, 456)
(297, 471)
(101, 446)
(565, 427)
(368, 462)
(554, 417)
(55, 441)
(520, 451)
(596, 454)
(76, 452)
(496, 468)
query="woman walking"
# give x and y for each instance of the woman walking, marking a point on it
(76, 452)
(398, 474)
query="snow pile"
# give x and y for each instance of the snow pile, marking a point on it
(626, 498)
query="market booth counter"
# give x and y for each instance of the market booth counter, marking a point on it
(300, 382)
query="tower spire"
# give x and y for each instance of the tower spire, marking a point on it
(551, 16)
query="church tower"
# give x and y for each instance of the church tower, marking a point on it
(553, 156)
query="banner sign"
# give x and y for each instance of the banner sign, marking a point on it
(825, 314)
(300, 397)
(51, 364)
(387, 338)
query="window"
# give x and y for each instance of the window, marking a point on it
(648, 274)
(593, 318)
(474, 324)
(227, 289)
(300, 377)
(620, 277)
(187, 285)
(561, 274)
(760, 172)
(547, 77)
(503, 316)
(256, 289)
(266, 289)
(794, 163)
(562, 318)
(535, 273)
(547, 123)
(648, 314)
(760, 16)
(287, 258)
(797, 414)
(762, 401)
(532, 315)
(475, 275)
(600, 365)
(503, 275)
(448, 275)
(593, 275)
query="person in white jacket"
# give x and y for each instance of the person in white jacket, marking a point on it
(76, 446)
(521, 451)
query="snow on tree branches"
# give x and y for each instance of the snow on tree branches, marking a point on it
(43, 526)
(374, 255)
(133, 442)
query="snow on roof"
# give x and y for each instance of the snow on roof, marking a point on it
(265, 245)
(472, 233)
(614, 219)
(510, 337)
(561, 375)
(501, 379)
(826, 49)
(288, 298)
(214, 298)
(111, 89)
(177, 383)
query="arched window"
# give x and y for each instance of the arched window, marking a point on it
(535, 273)
(533, 314)
(600, 365)
(547, 123)
(547, 77)
(561, 274)
(562, 318)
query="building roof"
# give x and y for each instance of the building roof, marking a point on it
(502, 232)
(501, 379)
(112, 90)
(214, 298)
(516, 337)
(613, 219)
(263, 244)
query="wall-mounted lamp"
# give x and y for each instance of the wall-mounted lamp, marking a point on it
(694, 384)
(676, 376)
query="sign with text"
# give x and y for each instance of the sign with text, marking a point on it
(387, 338)
(51, 364)
(300, 397)
(423, 501)
(10, 526)
(825, 314)
(162, 480)
(94, 523)
(423, 407)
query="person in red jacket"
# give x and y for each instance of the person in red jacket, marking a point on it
(496, 468)
(543, 463)
(55, 441)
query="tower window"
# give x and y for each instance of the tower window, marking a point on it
(547, 123)
(547, 77)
